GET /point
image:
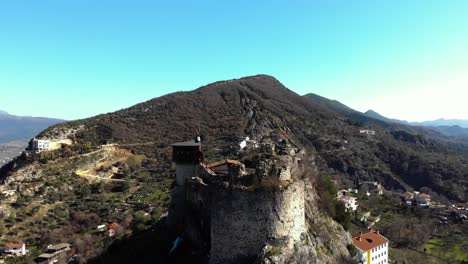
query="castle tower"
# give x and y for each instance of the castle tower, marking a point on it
(187, 156)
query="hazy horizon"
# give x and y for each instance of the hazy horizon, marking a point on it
(71, 60)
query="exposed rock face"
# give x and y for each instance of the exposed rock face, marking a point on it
(244, 221)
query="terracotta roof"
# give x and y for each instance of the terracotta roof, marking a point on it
(222, 162)
(368, 241)
(13, 245)
(112, 226)
(423, 195)
(407, 194)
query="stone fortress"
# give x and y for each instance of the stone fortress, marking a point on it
(231, 215)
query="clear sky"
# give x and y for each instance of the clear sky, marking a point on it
(71, 59)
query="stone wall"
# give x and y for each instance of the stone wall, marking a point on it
(244, 221)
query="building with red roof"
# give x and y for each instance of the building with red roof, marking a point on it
(423, 200)
(372, 248)
(17, 249)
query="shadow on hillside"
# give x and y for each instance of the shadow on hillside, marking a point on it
(150, 246)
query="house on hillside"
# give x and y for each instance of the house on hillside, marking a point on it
(40, 145)
(112, 229)
(423, 200)
(378, 190)
(372, 248)
(407, 198)
(58, 248)
(54, 254)
(349, 202)
(367, 132)
(248, 142)
(15, 249)
(371, 188)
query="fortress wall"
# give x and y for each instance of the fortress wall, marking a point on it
(242, 221)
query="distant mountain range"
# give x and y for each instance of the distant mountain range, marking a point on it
(454, 128)
(14, 128)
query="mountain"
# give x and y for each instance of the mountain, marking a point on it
(89, 183)
(445, 127)
(373, 114)
(443, 122)
(434, 123)
(22, 127)
(400, 156)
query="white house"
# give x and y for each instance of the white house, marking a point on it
(423, 200)
(367, 132)
(40, 145)
(18, 249)
(243, 144)
(349, 202)
(372, 248)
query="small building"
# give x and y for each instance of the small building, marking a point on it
(53, 254)
(407, 198)
(423, 200)
(243, 143)
(47, 258)
(367, 132)
(378, 190)
(57, 248)
(349, 202)
(372, 248)
(15, 249)
(40, 145)
(112, 229)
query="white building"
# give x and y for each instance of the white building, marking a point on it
(372, 248)
(18, 249)
(349, 202)
(40, 145)
(243, 144)
(367, 132)
(423, 200)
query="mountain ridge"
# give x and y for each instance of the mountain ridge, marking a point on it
(14, 127)
(225, 111)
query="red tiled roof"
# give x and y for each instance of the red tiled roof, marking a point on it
(368, 241)
(13, 245)
(423, 195)
(407, 194)
(112, 226)
(222, 162)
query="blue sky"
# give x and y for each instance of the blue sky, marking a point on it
(75, 59)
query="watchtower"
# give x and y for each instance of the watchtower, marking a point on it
(187, 157)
